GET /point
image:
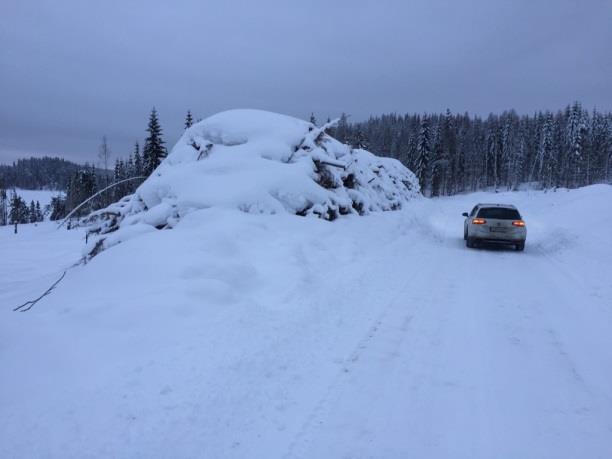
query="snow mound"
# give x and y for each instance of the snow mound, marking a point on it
(257, 162)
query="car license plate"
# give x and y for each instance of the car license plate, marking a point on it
(498, 229)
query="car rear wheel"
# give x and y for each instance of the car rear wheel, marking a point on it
(520, 246)
(469, 242)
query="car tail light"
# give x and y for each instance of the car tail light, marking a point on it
(479, 221)
(518, 223)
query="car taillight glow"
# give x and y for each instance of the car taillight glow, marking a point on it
(479, 221)
(518, 223)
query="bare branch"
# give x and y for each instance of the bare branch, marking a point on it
(31, 303)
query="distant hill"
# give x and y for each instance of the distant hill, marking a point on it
(39, 173)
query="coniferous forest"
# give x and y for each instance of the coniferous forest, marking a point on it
(454, 153)
(38, 173)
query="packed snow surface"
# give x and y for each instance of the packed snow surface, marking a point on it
(238, 335)
(257, 162)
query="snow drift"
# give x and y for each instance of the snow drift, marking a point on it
(256, 162)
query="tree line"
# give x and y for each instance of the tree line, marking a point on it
(454, 153)
(44, 173)
(449, 153)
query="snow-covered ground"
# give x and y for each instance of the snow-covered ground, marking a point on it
(241, 335)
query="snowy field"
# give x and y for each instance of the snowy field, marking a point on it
(42, 196)
(236, 335)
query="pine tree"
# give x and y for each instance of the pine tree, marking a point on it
(14, 209)
(188, 120)
(4, 205)
(546, 161)
(154, 151)
(116, 171)
(39, 214)
(129, 173)
(438, 165)
(138, 167)
(104, 154)
(18, 210)
(423, 155)
(32, 217)
(117, 176)
(598, 147)
(58, 208)
(493, 153)
(313, 120)
(608, 154)
(575, 131)
(341, 131)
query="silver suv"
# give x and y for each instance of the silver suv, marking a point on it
(496, 223)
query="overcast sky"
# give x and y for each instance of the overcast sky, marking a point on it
(73, 71)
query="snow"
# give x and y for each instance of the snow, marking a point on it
(258, 335)
(258, 162)
(42, 196)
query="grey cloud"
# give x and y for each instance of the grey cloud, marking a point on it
(72, 71)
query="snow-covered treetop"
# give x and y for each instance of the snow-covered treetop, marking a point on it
(257, 162)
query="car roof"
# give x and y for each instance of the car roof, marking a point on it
(506, 206)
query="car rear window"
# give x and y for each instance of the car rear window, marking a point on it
(500, 213)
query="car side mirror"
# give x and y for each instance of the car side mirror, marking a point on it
(465, 214)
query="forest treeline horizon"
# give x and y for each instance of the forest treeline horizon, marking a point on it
(449, 153)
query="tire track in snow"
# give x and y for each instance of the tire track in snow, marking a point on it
(379, 323)
(573, 292)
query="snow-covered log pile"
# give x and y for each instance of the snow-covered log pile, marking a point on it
(257, 162)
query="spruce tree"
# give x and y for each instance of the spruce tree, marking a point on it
(138, 167)
(4, 205)
(58, 208)
(547, 159)
(607, 173)
(313, 120)
(575, 131)
(154, 151)
(438, 166)
(14, 208)
(18, 211)
(188, 120)
(341, 131)
(39, 214)
(32, 217)
(423, 154)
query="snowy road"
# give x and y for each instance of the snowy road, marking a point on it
(373, 337)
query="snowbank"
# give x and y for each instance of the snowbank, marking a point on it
(257, 162)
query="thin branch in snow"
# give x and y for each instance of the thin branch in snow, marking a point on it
(31, 303)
